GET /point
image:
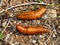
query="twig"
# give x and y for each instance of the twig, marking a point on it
(49, 26)
(41, 43)
(6, 26)
(22, 5)
(54, 27)
(7, 36)
(51, 33)
(53, 43)
(16, 43)
(0, 2)
(49, 37)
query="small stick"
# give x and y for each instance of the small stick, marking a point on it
(22, 5)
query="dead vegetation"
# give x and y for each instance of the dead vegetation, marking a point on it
(8, 21)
